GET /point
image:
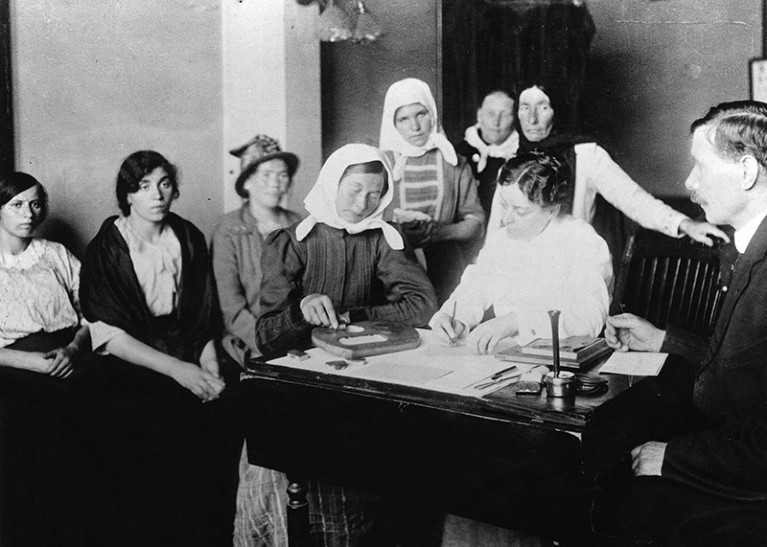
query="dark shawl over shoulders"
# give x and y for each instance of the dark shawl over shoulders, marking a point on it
(110, 292)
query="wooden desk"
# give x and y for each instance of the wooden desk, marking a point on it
(507, 460)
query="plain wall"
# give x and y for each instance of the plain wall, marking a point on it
(355, 77)
(271, 79)
(96, 80)
(658, 65)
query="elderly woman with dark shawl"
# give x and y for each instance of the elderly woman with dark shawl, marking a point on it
(542, 112)
(343, 263)
(435, 195)
(147, 292)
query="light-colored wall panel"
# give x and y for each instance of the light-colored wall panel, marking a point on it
(657, 66)
(96, 80)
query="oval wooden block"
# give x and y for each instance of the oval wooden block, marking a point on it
(365, 338)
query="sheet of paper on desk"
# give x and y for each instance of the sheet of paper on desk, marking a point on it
(400, 373)
(454, 369)
(634, 363)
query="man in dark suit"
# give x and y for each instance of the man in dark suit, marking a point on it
(682, 458)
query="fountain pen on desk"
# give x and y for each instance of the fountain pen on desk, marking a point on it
(499, 377)
(501, 373)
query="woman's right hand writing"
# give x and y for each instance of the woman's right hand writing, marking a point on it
(202, 383)
(447, 330)
(318, 310)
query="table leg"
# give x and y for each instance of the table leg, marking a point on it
(298, 513)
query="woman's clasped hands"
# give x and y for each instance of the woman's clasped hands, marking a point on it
(204, 380)
(58, 362)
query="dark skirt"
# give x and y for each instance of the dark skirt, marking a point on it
(167, 461)
(45, 492)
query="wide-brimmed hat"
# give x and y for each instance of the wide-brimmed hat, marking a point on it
(268, 149)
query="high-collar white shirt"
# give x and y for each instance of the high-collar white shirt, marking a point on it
(744, 236)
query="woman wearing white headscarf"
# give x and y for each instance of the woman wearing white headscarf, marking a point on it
(435, 198)
(342, 263)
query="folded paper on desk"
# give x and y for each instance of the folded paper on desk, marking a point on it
(634, 363)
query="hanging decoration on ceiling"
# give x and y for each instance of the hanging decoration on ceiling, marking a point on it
(342, 20)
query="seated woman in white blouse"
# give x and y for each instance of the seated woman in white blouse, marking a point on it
(39, 280)
(42, 344)
(147, 291)
(541, 260)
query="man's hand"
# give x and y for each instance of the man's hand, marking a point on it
(647, 458)
(702, 232)
(627, 331)
(486, 336)
(445, 330)
(318, 310)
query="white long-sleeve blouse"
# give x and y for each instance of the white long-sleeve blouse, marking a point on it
(565, 267)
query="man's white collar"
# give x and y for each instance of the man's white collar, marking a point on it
(745, 234)
(505, 150)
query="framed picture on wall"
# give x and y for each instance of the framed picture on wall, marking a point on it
(758, 79)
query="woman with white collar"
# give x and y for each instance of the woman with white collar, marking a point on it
(435, 198)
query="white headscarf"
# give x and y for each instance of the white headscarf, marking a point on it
(403, 93)
(321, 200)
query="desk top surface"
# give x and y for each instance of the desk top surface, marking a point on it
(438, 377)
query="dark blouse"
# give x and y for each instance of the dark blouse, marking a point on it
(110, 292)
(359, 272)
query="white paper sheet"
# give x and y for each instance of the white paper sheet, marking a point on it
(634, 363)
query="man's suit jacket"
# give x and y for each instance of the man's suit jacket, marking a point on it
(730, 458)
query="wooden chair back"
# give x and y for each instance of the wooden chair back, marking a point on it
(669, 281)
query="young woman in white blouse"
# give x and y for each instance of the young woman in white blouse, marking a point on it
(39, 280)
(43, 353)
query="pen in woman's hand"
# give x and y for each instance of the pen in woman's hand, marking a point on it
(452, 321)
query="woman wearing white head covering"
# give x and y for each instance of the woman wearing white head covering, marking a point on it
(435, 198)
(343, 262)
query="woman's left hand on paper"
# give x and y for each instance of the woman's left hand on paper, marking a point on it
(485, 337)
